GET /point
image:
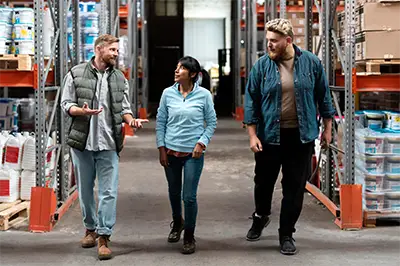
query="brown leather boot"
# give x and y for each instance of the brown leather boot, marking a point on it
(89, 240)
(104, 253)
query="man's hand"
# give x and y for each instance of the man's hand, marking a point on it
(87, 111)
(326, 138)
(198, 151)
(138, 123)
(255, 144)
(84, 110)
(163, 157)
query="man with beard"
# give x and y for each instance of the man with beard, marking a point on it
(285, 89)
(95, 95)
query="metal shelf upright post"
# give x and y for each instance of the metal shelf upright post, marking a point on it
(49, 204)
(349, 214)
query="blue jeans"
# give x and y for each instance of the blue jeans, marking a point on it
(192, 169)
(105, 164)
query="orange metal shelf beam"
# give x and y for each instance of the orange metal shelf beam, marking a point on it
(16, 78)
(372, 83)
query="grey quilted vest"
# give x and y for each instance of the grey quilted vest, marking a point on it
(85, 82)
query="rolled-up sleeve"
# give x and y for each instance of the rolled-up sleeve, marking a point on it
(252, 98)
(126, 105)
(68, 98)
(323, 93)
(210, 118)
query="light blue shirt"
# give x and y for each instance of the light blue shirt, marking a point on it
(180, 121)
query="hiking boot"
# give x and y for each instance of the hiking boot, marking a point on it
(89, 240)
(104, 253)
(259, 223)
(189, 243)
(176, 230)
(287, 245)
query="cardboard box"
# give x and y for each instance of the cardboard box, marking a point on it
(300, 41)
(298, 22)
(377, 45)
(378, 16)
(299, 31)
(372, 17)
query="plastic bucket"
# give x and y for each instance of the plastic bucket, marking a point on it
(394, 121)
(23, 16)
(374, 200)
(23, 32)
(393, 164)
(375, 164)
(88, 52)
(90, 36)
(90, 20)
(6, 15)
(392, 182)
(24, 47)
(87, 6)
(375, 124)
(5, 46)
(6, 30)
(374, 182)
(392, 144)
(392, 201)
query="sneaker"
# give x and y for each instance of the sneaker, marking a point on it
(259, 223)
(287, 246)
(176, 230)
(189, 243)
(104, 252)
(89, 240)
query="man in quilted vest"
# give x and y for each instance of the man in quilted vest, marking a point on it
(96, 96)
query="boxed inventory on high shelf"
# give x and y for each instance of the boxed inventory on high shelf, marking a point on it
(378, 159)
(376, 24)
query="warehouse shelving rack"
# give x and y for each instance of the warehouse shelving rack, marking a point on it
(48, 205)
(345, 201)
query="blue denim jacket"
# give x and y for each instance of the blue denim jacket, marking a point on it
(263, 97)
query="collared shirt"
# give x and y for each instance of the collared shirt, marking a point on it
(263, 97)
(101, 135)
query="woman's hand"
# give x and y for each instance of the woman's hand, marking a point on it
(163, 157)
(198, 151)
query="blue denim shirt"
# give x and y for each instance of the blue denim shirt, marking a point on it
(263, 97)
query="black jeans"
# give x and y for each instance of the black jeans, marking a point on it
(295, 159)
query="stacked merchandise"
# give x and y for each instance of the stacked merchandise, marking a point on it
(378, 159)
(89, 21)
(8, 114)
(23, 31)
(18, 165)
(6, 15)
(376, 24)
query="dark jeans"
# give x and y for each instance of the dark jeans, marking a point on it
(295, 159)
(192, 169)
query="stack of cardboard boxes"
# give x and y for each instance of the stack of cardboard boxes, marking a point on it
(377, 30)
(298, 21)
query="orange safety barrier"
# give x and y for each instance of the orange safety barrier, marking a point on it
(351, 215)
(239, 113)
(43, 206)
(143, 113)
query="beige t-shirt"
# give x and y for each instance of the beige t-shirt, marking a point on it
(288, 113)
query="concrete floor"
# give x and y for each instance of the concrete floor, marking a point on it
(225, 202)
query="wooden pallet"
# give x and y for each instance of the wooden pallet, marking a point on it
(378, 67)
(370, 217)
(16, 62)
(14, 213)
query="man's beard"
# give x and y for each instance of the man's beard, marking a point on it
(109, 60)
(278, 54)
